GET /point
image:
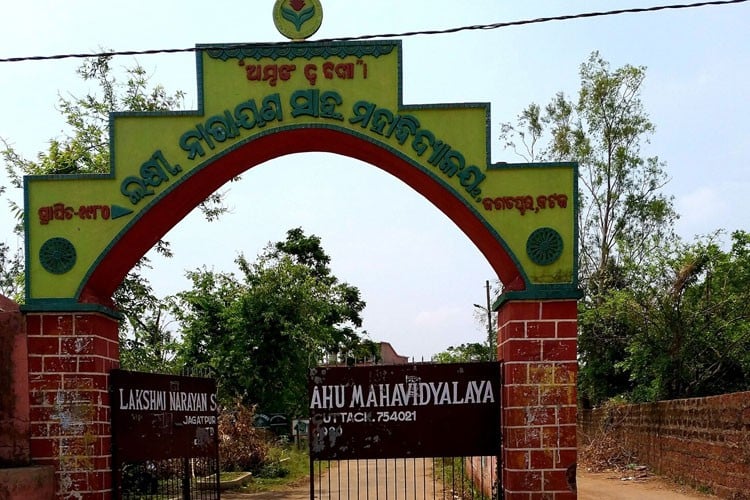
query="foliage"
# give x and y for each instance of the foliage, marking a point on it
(464, 353)
(624, 218)
(262, 332)
(290, 464)
(623, 214)
(85, 149)
(146, 344)
(692, 324)
(242, 447)
(11, 273)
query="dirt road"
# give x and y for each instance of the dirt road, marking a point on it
(599, 486)
(610, 486)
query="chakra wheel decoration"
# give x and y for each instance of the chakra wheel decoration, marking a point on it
(297, 19)
(57, 255)
(544, 246)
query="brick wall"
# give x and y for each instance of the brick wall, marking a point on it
(703, 442)
(14, 387)
(70, 356)
(537, 344)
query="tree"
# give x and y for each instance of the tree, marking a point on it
(260, 333)
(146, 343)
(623, 213)
(84, 150)
(463, 353)
(693, 323)
(624, 218)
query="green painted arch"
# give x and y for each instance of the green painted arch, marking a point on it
(259, 102)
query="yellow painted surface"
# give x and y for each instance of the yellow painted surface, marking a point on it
(229, 89)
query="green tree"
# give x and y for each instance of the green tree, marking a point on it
(260, 333)
(464, 353)
(624, 218)
(692, 319)
(623, 213)
(84, 149)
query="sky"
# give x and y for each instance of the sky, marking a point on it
(419, 274)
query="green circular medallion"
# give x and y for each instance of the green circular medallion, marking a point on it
(297, 19)
(544, 246)
(57, 255)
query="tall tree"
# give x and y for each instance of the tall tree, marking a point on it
(84, 149)
(262, 332)
(623, 215)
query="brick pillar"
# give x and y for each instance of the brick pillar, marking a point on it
(537, 343)
(70, 356)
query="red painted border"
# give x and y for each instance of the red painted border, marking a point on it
(158, 220)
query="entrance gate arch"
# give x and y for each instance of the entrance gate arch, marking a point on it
(256, 103)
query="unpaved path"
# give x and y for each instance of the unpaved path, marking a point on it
(610, 486)
(591, 486)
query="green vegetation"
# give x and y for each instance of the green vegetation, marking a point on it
(660, 318)
(464, 353)
(287, 466)
(259, 334)
(453, 475)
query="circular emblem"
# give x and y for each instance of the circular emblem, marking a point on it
(544, 246)
(57, 255)
(297, 19)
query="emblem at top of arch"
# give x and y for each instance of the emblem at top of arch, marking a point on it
(297, 19)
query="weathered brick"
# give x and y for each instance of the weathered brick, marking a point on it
(567, 329)
(522, 438)
(40, 345)
(522, 350)
(519, 310)
(520, 396)
(542, 459)
(555, 480)
(523, 480)
(57, 324)
(564, 309)
(541, 329)
(559, 350)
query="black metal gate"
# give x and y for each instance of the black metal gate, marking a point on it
(406, 478)
(413, 431)
(176, 478)
(164, 437)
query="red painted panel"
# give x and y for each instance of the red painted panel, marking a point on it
(180, 201)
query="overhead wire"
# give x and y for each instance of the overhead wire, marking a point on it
(492, 26)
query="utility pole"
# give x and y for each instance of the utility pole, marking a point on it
(490, 332)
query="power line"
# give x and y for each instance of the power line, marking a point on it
(475, 27)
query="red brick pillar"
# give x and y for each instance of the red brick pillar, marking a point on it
(70, 356)
(537, 344)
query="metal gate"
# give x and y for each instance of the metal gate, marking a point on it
(176, 478)
(406, 478)
(164, 437)
(413, 431)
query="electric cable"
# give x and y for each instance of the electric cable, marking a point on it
(539, 20)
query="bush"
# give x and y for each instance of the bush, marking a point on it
(242, 447)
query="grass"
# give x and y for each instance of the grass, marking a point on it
(230, 476)
(452, 473)
(288, 466)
